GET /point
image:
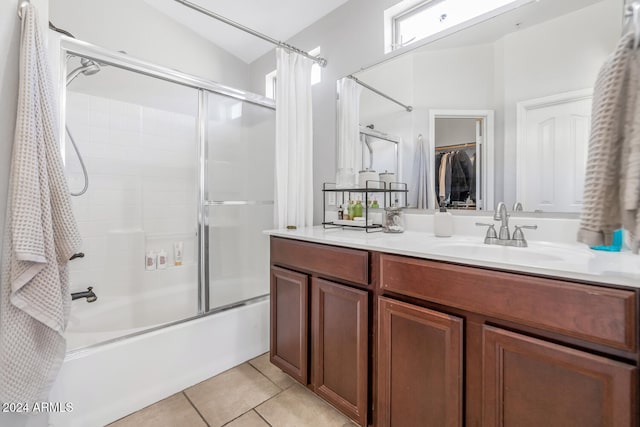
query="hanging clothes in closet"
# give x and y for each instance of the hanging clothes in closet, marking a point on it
(456, 177)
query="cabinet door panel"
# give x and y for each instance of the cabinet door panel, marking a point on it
(419, 366)
(289, 322)
(530, 382)
(340, 342)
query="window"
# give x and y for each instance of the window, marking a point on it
(411, 20)
(270, 85)
(270, 79)
(316, 70)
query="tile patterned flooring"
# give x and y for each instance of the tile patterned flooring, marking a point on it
(254, 394)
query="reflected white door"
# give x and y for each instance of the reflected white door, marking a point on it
(553, 139)
(478, 163)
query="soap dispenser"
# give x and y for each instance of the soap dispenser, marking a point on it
(443, 222)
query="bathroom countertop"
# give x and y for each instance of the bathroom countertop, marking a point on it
(562, 260)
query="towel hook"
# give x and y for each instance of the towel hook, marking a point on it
(21, 7)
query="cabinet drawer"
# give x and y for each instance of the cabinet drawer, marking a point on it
(347, 264)
(592, 313)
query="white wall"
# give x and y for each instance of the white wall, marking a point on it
(144, 32)
(454, 131)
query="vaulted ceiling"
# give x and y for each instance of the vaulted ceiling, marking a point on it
(279, 19)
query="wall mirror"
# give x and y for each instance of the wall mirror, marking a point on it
(511, 96)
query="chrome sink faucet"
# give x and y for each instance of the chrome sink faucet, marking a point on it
(504, 238)
(502, 215)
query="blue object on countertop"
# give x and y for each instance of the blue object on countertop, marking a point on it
(616, 246)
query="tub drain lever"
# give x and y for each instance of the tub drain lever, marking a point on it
(89, 295)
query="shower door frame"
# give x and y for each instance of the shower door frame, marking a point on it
(70, 46)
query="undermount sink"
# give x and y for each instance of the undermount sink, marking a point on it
(535, 254)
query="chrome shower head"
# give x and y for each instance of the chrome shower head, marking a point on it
(91, 66)
(87, 67)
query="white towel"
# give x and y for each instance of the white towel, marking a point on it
(40, 236)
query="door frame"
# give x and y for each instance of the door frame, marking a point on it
(522, 109)
(486, 150)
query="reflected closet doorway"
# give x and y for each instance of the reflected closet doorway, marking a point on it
(465, 137)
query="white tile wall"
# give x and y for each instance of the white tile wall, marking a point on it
(142, 192)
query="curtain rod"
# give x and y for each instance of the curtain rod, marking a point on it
(409, 108)
(321, 61)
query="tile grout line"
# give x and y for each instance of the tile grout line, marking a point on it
(270, 380)
(196, 409)
(280, 390)
(239, 416)
(243, 414)
(261, 417)
(262, 403)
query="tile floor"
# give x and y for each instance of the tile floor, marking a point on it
(254, 394)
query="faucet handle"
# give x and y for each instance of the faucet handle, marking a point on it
(491, 232)
(529, 227)
(518, 235)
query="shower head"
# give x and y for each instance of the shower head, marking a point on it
(88, 67)
(91, 66)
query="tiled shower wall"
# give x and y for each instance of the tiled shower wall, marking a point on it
(142, 193)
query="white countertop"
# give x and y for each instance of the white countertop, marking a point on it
(562, 260)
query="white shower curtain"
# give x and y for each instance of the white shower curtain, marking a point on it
(348, 125)
(294, 141)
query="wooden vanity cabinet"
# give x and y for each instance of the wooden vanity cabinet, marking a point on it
(535, 351)
(320, 319)
(398, 341)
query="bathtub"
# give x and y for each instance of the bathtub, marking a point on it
(115, 316)
(108, 381)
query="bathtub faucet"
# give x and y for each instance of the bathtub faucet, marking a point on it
(89, 295)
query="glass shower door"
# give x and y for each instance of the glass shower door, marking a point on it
(137, 136)
(240, 138)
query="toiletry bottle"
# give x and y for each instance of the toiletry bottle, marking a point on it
(350, 207)
(443, 222)
(150, 261)
(162, 259)
(357, 209)
(374, 204)
(340, 212)
(178, 249)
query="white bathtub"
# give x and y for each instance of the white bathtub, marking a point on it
(116, 316)
(109, 381)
